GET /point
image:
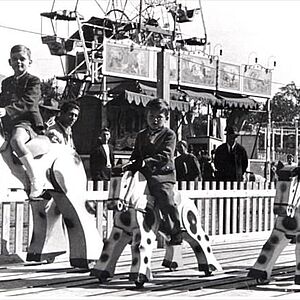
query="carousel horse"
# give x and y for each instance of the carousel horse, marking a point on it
(137, 222)
(286, 228)
(65, 180)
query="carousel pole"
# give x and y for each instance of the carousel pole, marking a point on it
(296, 140)
(268, 140)
(163, 76)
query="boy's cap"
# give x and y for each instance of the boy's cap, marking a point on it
(232, 130)
(50, 104)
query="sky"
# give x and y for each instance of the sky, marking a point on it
(244, 29)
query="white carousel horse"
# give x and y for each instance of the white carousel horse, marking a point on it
(137, 221)
(286, 228)
(65, 179)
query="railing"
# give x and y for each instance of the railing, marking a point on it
(226, 208)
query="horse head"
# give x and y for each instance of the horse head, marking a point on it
(287, 198)
(127, 190)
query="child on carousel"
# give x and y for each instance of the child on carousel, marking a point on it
(153, 155)
(19, 110)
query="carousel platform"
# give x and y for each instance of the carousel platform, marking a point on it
(58, 280)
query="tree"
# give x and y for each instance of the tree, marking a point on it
(285, 105)
(50, 90)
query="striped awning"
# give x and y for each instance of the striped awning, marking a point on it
(139, 98)
(240, 102)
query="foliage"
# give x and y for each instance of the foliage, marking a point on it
(285, 105)
(50, 90)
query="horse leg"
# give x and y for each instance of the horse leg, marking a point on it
(143, 242)
(69, 179)
(196, 237)
(47, 230)
(112, 249)
(262, 268)
(297, 251)
(173, 257)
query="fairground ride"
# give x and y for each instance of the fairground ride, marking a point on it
(158, 23)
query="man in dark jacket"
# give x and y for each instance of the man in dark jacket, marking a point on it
(102, 157)
(153, 155)
(186, 164)
(231, 160)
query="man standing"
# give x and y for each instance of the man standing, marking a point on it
(231, 160)
(186, 164)
(61, 131)
(102, 157)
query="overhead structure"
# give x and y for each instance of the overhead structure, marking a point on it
(157, 23)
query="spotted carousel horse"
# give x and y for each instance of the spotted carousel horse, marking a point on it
(137, 222)
(286, 228)
(62, 203)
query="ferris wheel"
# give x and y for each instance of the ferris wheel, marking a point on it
(157, 22)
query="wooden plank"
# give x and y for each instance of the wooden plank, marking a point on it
(228, 193)
(266, 206)
(206, 211)
(254, 214)
(213, 216)
(59, 281)
(260, 214)
(19, 227)
(5, 230)
(247, 215)
(221, 211)
(271, 214)
(228, 215)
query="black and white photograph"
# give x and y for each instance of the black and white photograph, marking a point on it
(149, 149)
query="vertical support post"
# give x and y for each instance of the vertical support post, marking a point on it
(208, 120)
(281, 137)
(268, 150)
(163, 76)
(296, 140)
(273, 142)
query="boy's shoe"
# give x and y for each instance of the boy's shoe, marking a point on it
(175, 240)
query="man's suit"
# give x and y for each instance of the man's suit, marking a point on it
(99, 162)
(230, 165)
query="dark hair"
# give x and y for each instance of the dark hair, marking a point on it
(20, 48)
(105, 129)
(182, 142)
(69, 105)
(158, 104)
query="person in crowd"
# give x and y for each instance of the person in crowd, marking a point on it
(61, 131)
(186, 164)
(49, 110)
(19, 102)
(208, 169)
(290, 160)
(102, 157)
(181, 14)
(153, 155)
(231, 160)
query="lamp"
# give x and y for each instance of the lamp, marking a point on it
(255, 58)
(220, 51)
(274, 61)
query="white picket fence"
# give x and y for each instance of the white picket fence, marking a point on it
(225, 209)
